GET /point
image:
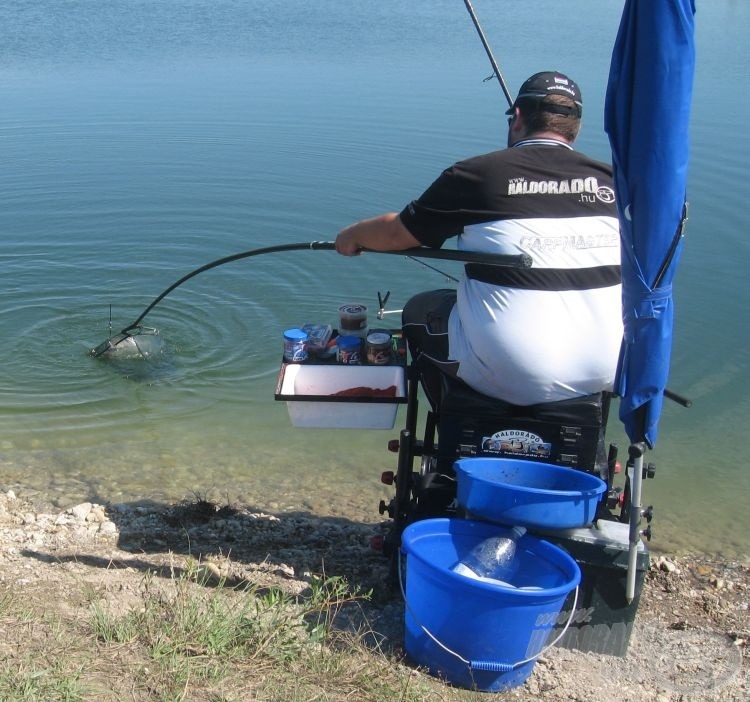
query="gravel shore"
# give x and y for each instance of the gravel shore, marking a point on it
(689, 641)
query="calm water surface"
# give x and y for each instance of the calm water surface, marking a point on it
(140, 140)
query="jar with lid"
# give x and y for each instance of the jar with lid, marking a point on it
(349, 350)
(353, 320)
(379, 347)
(295, 346)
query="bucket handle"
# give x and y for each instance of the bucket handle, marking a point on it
(489, 666)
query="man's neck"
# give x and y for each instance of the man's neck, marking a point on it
(553, 136)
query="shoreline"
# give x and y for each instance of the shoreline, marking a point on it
(689, 640)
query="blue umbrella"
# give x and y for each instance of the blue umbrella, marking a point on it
(646, 116)
(647, 111)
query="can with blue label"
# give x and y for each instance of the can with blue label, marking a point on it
(349, 350)
(295, 346)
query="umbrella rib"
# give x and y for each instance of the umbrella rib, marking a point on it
(673, 247)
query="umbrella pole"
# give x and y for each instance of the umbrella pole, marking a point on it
(636, 453)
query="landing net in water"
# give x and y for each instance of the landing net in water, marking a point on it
(136, 343)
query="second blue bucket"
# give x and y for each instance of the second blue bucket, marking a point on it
(474, 634)
(514, 492)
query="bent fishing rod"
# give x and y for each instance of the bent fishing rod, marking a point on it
(508, 260)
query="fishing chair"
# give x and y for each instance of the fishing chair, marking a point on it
(461, 422)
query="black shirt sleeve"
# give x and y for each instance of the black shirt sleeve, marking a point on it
(441, 211)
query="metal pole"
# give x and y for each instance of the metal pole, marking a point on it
(636, 452)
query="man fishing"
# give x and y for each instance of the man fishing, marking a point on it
(525, 336)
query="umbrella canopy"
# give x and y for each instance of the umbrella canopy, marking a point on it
(647, 111)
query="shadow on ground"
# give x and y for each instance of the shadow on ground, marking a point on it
(248, 547)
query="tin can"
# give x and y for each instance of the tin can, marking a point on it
(349, 350)
(295, 346)
(379, 348)
(353, 320)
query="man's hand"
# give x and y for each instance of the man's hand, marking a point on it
(346, 242)
(383, 233)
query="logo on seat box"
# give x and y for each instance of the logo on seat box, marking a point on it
(517, 442)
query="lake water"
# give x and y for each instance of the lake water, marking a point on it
(142, 139)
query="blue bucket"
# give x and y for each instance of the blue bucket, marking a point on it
(525, 493)
(475, 634)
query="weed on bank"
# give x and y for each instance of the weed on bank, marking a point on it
(188, 638)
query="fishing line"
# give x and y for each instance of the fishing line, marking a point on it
(432, 268)
(128, 334)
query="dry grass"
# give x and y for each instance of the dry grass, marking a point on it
(185, 638)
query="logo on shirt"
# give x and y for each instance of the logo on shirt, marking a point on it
(571, 186)
(572, 242)
(517, 442)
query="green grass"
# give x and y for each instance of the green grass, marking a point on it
(191, 637)
(39, 684)
(198, 642)
(24, 674)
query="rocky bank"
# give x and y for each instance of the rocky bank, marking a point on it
(689, 641)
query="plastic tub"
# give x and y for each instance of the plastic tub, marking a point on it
(341, 396)
(353, 320)
(527, 493)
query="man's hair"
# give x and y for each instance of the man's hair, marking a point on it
(539, 119)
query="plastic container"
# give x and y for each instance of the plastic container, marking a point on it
(604, 620)
(318, 336)
(295, 346)
(527, 493)
(493, 633)
(353, 320)
(321, 395)
(349, 351)
(379, 348)
(493, 560)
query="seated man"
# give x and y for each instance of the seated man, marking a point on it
(548, 333)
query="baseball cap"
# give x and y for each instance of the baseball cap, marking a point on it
(550, 83)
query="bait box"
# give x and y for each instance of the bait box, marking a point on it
(604, 619)
(309, 392)
(318, 336)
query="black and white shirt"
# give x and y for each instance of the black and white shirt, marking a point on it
(550, 332)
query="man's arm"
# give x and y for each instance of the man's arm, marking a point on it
(383, 233)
